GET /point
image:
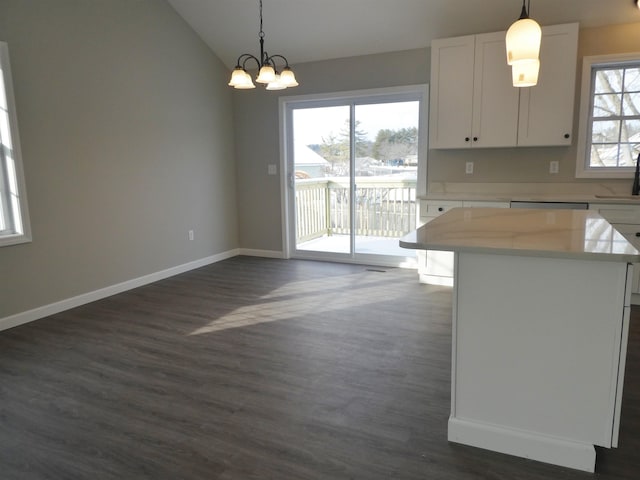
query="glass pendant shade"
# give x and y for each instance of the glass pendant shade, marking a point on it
(241, 80)
(237, 77)
(267, 74)
(276, 84)
(523, 41)
(525, 73)
(287, 78)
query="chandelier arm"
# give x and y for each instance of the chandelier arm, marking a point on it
(246, 57)
(272, 62)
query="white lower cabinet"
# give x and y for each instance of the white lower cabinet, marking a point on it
(626, 220)
(436, 267)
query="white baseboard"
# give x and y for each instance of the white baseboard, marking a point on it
(261, 253)
(82, 299)
(557, 451)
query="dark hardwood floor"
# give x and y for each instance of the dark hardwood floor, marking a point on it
(257, 369)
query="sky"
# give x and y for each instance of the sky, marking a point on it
(312, 124)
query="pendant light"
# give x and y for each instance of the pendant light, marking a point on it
(267, 73)
(523, 49)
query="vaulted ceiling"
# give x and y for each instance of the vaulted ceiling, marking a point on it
(311, 30)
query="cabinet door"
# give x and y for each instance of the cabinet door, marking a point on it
(546, 110)
(495, 99)
(452, 62)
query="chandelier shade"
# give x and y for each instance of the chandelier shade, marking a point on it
(267, 67)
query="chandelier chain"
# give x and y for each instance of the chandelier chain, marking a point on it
(261, 31)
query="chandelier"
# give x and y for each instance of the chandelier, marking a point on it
(523, 49)
(267, 69)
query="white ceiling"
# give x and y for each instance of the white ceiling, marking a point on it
(312, 30)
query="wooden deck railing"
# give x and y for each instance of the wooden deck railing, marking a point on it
(384, 208)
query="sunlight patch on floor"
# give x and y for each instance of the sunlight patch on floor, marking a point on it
(300, 299)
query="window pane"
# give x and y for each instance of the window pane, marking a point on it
(631, 104)
(3, 222)
(605, 131)
(3, 97)
(604, 155)
(5, 137)
(608, 81)
(607, 105)
(628, 154)
(632, 80)
(630, 131)
(14, 224)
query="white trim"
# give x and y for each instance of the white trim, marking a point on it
(585, 106)
(84, 298)
(525, 444)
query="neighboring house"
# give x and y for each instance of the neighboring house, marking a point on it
(309, 164)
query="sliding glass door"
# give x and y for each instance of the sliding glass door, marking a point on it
(352, 170)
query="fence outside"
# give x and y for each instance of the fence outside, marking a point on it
(384, 207)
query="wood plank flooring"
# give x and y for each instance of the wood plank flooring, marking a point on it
(257, 369)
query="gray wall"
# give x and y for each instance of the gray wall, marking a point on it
(126, 129)
(257, 137)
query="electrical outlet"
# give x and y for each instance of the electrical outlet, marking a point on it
(554, 166)
(272, 169)
(468, 168)
(190, 234)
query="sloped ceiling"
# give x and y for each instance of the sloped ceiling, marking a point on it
(312, 30)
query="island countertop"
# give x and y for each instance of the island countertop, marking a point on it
(580, 234)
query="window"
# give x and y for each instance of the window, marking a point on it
(609, 137)
(14, 220)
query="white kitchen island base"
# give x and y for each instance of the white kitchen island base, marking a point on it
(519, 443)
(541, 306)
(538, 355)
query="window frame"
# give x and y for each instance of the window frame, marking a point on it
(19, 230)
(589, 63)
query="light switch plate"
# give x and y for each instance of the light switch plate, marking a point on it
(272, 169)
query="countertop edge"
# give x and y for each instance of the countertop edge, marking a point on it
(479, 197)
(602, 257)
(414, 241)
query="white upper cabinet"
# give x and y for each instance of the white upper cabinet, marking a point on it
(546, 110)
(495, 101)
(474, 104)
(451, 99)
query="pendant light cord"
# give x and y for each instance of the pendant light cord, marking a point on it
(524, 14)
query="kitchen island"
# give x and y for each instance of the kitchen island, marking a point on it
(539, 333)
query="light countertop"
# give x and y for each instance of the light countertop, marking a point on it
(580, 234)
